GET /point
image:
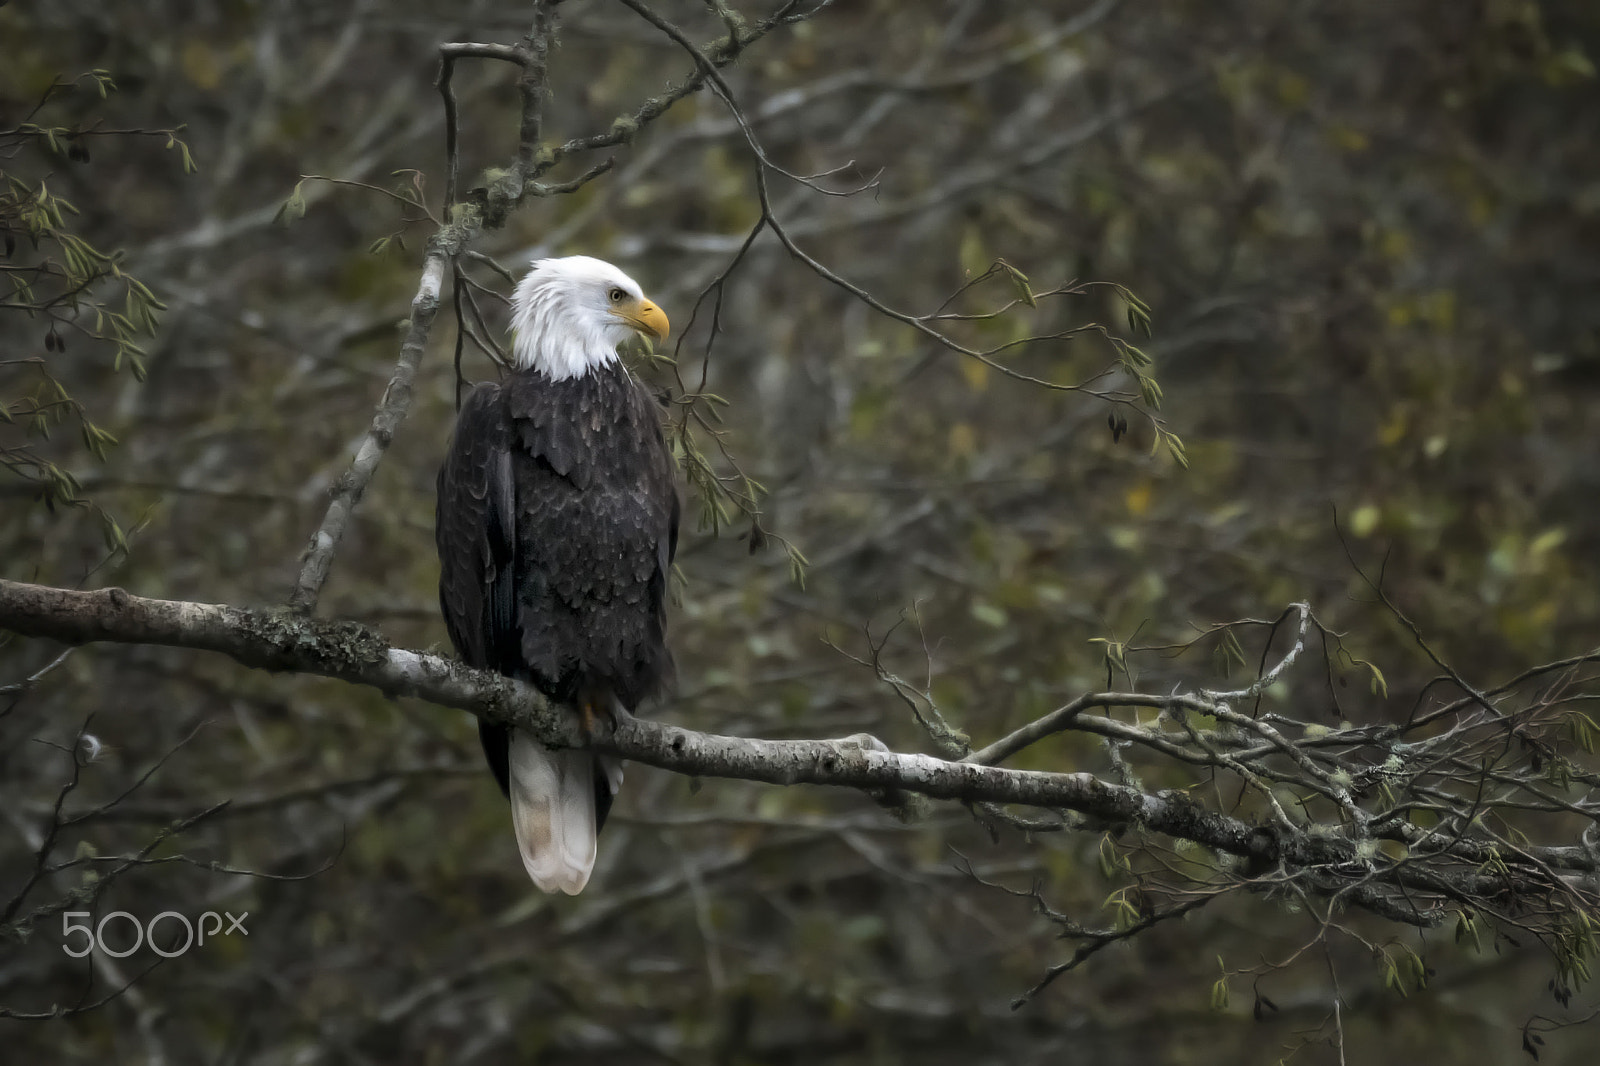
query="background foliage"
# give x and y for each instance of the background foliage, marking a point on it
(1366, 233)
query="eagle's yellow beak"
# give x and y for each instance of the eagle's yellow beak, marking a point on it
(647, 318)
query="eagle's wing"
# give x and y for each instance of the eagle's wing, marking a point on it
(474, 530)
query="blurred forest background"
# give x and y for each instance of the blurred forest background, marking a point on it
(1368, 233)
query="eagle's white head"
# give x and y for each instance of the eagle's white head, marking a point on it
(568, 316)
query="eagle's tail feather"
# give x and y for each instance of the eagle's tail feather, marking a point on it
(552, 810)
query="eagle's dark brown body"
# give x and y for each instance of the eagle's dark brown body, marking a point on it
(556, 525)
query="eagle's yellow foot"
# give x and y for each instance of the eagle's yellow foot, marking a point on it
(592, 712)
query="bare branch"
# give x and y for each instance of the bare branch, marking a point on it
(1414, 890)
(392, 409)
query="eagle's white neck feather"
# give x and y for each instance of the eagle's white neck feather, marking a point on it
(560, 319)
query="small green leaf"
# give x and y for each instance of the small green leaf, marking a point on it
(294, 208)
(797, 565)
(1219, 995)
(1019, 281)
(1115, 653)
(112, 534)
(1175, 448)
(1583, 730)
(1150, 392)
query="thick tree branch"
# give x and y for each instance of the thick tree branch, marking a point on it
(1320, 858)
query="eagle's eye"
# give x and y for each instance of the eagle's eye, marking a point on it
(617, 296)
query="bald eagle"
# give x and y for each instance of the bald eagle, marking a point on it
(556, 525)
